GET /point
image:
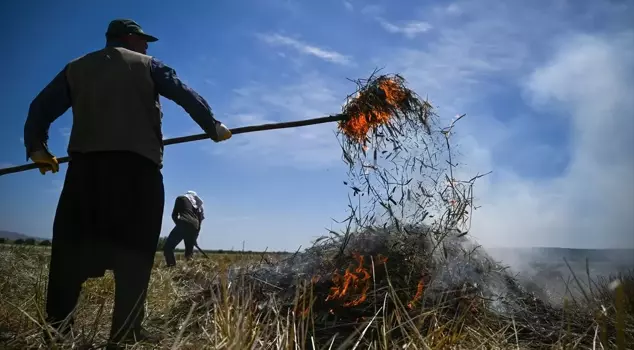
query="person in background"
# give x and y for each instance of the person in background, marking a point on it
(188, 215)
(110, 210)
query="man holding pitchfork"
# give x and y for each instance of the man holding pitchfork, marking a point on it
(110, 210)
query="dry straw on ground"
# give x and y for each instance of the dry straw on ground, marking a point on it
(402, 275)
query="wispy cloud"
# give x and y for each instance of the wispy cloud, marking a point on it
(56, 187)
(410, 29)
(453, 9)
(305, 48)
(372, 10)
(65, 131)
(309, 96)
(348, 5)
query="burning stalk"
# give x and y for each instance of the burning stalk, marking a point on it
(358, 279)
(418, 295)
(380, 103)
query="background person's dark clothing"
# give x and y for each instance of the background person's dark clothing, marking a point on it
(181, 232)
(184, 212)
(109, 216)
(188, 220)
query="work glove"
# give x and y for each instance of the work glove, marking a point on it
(222, 132)
(45, 161)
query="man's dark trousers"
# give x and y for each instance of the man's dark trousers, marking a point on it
(109, 216)
(183, 231)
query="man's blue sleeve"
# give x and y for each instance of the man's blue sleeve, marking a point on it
(53, 101)
(170, 86)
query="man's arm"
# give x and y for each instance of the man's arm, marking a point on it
(170, 86)
(178, 207)
(53, 101)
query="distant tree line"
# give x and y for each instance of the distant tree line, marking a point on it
(26, 241)
(161, 244)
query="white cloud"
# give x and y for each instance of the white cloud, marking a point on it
(372, 10)
(348, 5)
(65, 131)
(304, 147)
(587, 79)
(590, 78)
(589, 205)
(410, 29)
(453, 9)
(304, 48)
(56, 187)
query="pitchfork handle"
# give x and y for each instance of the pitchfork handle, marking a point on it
(190, 138)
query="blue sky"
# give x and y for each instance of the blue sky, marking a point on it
(546, 86)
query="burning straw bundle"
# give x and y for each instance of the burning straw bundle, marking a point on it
(382, 104)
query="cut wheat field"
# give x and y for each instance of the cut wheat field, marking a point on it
(201, 304)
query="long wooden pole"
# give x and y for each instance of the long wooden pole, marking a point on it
(197, 137)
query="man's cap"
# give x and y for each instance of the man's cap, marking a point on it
(122, 27)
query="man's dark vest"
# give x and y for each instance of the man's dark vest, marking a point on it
(115, 104)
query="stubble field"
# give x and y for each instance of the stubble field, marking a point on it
(206, 304)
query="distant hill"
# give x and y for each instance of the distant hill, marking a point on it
(549, 271)
(576, 255)
(538, 261)
(10, 235)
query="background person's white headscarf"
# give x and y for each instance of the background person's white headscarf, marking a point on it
(197, 202)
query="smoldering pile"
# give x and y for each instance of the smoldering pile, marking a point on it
(344, 280)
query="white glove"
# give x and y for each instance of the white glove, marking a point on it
(223, 132)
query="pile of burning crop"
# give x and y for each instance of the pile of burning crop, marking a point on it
(343, 284)
(405, 250)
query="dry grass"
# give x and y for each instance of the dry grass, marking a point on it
(197, 306)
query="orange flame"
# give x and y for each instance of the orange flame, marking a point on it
(418, 295)
(357, 281)
(393, 92)
(360, 121)
(305, 312)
